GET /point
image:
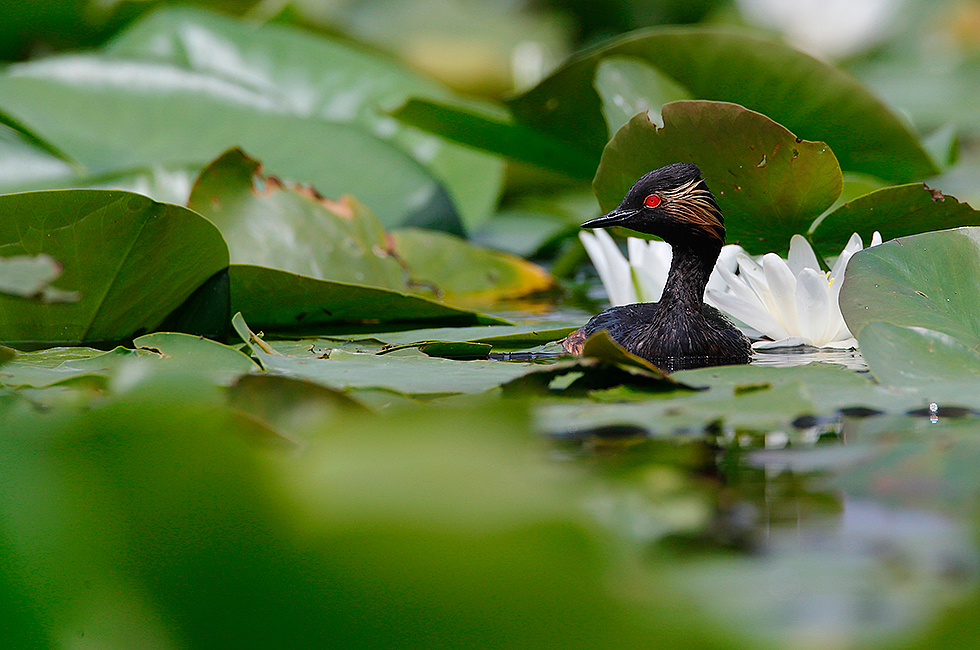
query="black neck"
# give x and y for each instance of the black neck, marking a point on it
(690, 267)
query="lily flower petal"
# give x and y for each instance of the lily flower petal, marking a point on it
(801, 255)
(813, 305)
(782, 285)
(612, 267)
(753, 315)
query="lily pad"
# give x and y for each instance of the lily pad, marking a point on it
(196, 354)
(184, 84)
(894, 212)
(916, 356)
(628, 86)
(460, 273)
(493, 133)
(769, 184)
(292, 228)
(175, 116)
(131, 260)
(931, 281)
(409, 372)
(810, 98)
(274, 300)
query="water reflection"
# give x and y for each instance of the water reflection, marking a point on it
(786, 357)
(821, 544)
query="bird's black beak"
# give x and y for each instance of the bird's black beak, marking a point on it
(615, 218)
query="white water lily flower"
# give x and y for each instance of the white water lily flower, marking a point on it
(790, 301)
(642, 277)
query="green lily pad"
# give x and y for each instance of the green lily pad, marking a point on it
(913, 356)
(292, 407)
(408, 372)
(498, 338)
(810, 98)
(183, 84)
(493, 133)
(769, 184)
(175, 117)
(26, 161)
(131, 260)
(196, 354)
(168, 352)
(292, 228)
(930, 281)
(628, 86)
(894, 212)
(274, 300)
(460, 273)
(101, 366)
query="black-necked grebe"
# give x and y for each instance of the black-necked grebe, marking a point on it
(680, 331)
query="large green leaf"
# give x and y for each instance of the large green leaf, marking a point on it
(291, 228)
(769, 184)
(405, 371)
(91, 106)
(463, 274)
(319, 79)
(814, 100)
(929, 281)
(131, 260)
(281, 301)
(920, 358)
(492, 133)
(894, 212)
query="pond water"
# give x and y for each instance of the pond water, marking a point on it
(833, 532)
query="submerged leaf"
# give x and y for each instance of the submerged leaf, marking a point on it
(408, 372)
(293, 229)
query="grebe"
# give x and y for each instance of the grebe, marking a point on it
(680, 331)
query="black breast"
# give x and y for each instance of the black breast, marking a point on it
(673, 339)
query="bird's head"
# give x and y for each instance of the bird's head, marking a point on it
(672, 202)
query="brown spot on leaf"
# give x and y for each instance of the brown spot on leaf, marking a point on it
(920, 293)
(343, 207)
(937, 196)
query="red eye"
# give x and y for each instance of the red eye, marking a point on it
(652, 201)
